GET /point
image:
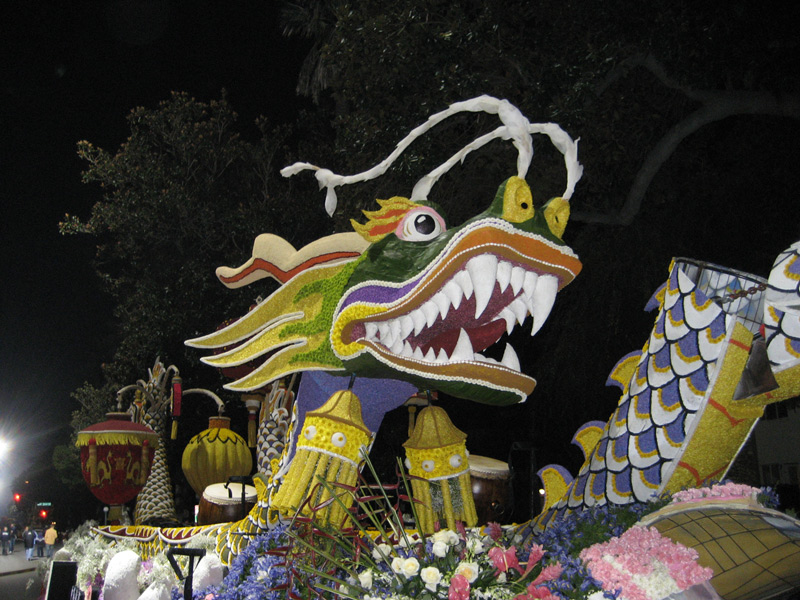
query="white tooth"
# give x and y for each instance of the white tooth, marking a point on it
(527, 301)
(503, 275)
(430, 355)
(431, 311)
(530, 283)
(394, 328)
(510, 359)
(442, 303)
(397, 347)
(442, 356)
(419, 320)
(463, 349)
(386, 334)
(371, 330)
(407, 350)
(418, 353)
(544, 296)
(483, 272)
(484, 359)
(519, 309)
(510, 319)
(464, 282)
(406, 326)
(454, 293)
(517, 279)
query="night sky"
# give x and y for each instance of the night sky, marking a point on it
(73, 71)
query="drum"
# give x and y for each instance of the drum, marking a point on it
(491, 489)
(222, 503)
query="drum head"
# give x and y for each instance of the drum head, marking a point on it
(231, 493)
(490, 467)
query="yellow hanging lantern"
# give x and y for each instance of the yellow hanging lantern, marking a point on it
(214, 455)
(329, 446)
(436, 456)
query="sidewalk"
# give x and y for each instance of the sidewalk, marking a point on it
(11, 564)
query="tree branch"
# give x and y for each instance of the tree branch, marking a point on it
(716, 105)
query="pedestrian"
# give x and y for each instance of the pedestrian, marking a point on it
(29, 539)
(12, 532)
(39, 542)
(4, 539)
(50, 537)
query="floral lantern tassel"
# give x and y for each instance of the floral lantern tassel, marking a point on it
(436, 457)
(253, 403)
(329, 448)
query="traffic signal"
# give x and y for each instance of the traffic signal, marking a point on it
(17, 497)
(43, 513)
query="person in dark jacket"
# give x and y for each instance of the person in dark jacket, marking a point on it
(39, 542)
(5, 538)
(29, 539)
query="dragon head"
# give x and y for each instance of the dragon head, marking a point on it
(425, 301)
(405, 296)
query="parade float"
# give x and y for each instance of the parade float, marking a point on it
(406, 305)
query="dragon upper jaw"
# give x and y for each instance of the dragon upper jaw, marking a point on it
(488, 296)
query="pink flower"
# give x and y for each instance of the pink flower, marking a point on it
(503, 560)
(537, 593)
(459, 588)
(549, 573)
(536, 554)
(494, 531)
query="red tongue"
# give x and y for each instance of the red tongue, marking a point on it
(481, 337)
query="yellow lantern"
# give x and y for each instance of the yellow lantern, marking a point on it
(214, 455)
(330, 448)
(436, 457)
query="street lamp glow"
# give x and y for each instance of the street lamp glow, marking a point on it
(5, 447)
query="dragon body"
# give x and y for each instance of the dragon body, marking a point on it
(724, 345)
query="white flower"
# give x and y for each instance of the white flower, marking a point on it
(475, 546)
(381, 552)
(501, 578)
(397, 564)
(470, 570)
(408, 541)
(365, 579)
(440, 549)
(431, 576)
(448, 536)
(410, 567)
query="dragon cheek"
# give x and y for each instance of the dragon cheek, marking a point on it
(342, 330)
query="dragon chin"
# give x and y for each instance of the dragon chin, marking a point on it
(437, 326)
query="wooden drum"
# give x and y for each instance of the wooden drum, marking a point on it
(491, 489)
(222, 503)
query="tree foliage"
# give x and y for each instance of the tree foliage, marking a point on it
(184, 194)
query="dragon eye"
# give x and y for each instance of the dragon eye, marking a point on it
(339, 439)
(456, 460)
(420, 225)
(310, 432)
(428, 465)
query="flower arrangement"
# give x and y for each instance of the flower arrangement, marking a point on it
(641, 564)
(721, 491)
(593, 553)
(453, 566)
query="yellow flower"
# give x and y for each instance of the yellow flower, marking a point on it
(469, 570)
